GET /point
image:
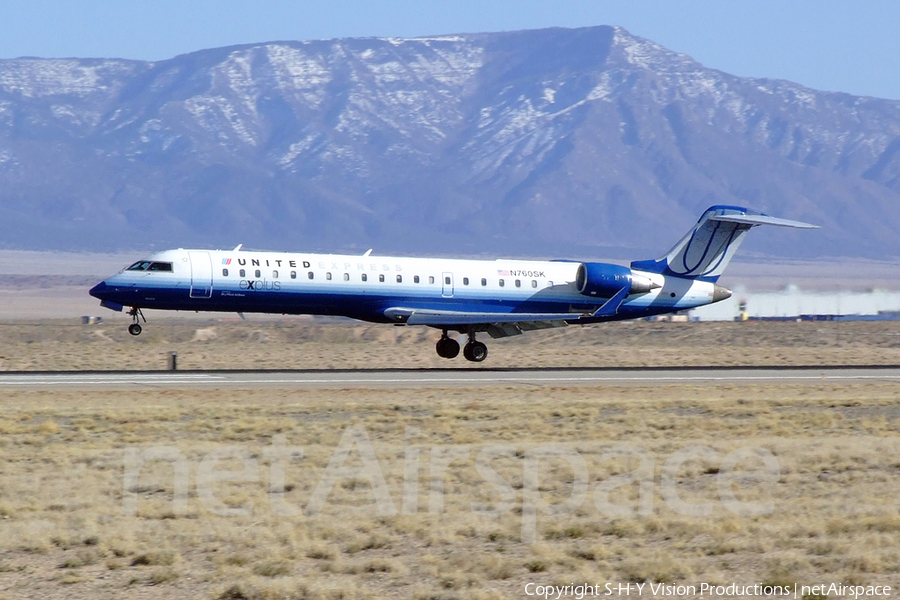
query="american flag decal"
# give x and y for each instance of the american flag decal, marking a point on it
(499, 272)
(226, 261)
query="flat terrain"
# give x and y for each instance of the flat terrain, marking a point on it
(66, 529)
(297, 344)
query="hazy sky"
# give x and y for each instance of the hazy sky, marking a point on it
(850, 46)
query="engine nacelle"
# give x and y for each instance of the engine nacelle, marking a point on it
(604, 280)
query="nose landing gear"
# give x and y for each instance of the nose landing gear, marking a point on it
(136, 315)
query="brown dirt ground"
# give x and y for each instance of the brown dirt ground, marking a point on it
(63, 532)
(299, 344)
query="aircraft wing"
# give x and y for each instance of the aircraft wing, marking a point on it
(500, 324)
(421, 316)
(497, 325)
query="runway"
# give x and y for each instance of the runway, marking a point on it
(441, 378)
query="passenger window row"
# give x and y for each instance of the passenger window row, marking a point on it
(363, 277)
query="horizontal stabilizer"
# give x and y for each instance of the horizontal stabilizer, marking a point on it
(762, 220)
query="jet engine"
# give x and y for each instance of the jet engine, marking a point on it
(604, 280)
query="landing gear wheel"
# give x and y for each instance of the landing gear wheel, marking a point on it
(475, 351)
(447, 347)
(136, 315)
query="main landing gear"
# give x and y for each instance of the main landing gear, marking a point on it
(474, 350)
(447, 347)
(136, 315)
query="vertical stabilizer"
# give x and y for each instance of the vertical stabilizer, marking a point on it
(707, 248)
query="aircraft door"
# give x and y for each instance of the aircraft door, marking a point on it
(447, 281)
(201, 275)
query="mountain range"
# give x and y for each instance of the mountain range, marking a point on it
(579, 143)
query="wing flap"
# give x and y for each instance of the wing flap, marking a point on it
(500, 330)
(419, 316)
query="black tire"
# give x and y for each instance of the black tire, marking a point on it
(134, 329)
(447, 348)
(475, 351)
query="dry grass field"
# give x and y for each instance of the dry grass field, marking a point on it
(65, 533)
(261, 343)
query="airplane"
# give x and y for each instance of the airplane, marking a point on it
(502, 297)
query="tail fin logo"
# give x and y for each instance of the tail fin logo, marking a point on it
(707, 248)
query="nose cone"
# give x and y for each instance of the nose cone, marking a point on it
(721, 293)
(99, 290)
(106, 294)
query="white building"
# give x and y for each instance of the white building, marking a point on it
(793, 302)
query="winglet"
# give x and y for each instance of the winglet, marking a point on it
(237, 248)
(611, 306)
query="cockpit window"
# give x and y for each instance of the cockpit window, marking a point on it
(146, 265)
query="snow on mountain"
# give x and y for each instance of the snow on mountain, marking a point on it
(587, 142)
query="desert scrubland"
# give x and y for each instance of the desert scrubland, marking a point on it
(72, 525)
(260, 343)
